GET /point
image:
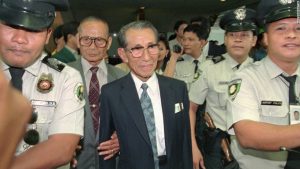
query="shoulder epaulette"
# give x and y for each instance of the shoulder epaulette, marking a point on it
(217, 59)
(53, 63)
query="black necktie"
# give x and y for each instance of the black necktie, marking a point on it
(16, 77)
(293, 160)
(238, 66)
(292, 93)
(196, 65)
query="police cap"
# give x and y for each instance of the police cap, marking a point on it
(240, 19)
(33, 15)
(273, 10)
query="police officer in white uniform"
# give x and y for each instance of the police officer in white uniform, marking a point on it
(240, 37)
(54, 89)
(194, 39)
(260, 97)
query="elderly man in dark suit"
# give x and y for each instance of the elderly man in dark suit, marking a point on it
(148, 111)
(94, 42)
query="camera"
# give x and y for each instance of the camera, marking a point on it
(177, 49)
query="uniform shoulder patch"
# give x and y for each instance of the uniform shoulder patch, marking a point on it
(78, 91)
(217, 59)
(233, 88)
(53, 63)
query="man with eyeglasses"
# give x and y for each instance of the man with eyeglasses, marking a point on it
(262, 97)
(148, 111)
(216, 73)
(53, 88)
(93, 42)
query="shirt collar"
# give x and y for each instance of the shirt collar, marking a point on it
(152, 82)
(86, 66)
(71, 50)
(189, 58)
(34, 69)
(273, 70)
(233, 64)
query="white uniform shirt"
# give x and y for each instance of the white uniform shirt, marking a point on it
(60, 110)
(263, 97)
(185, 70)
(154, 94)
(212, 86)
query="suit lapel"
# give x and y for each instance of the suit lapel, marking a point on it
(88, 114)
(131, 100)
(168, 108)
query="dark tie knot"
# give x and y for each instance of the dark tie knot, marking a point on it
(290, 79)
(94, 69)
(144, 86)
(16, 72)
(196, 62)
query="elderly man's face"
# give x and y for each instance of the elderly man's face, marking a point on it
(94, 41)
(142, 63)
(20, 47)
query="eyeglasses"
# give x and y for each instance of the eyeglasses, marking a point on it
(240, 35)
(32, 136)
(138, 51)
(87, 41)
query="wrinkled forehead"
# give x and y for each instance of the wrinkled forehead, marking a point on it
(141, 37)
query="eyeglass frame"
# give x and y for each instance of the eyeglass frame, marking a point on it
(93, 40)
(139, 47)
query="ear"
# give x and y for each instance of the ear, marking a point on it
(254, 41)
(77, 40)
(123, 55)
(265, 38)
(48, 35)
(203, 43)
(109, 40)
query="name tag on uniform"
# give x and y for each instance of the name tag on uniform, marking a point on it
(223, 83)
(271, 103)
(45, 103)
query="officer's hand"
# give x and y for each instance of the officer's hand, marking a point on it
(109, 148)
(198, 161)
(74, 161)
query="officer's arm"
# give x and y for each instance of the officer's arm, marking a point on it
(171, 65)
(54, 152)
(197, 156)
(265, 136)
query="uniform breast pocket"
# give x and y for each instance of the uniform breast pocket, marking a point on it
(44, 110)
(221, 95)
(274, 114)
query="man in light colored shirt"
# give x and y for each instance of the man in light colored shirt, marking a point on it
(212, 85)
(262, 96)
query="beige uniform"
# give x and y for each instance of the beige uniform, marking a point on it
(260, 94)
(212, 86)
(59, 108)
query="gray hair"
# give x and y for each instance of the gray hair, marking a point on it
(92, 19)
(135, 25)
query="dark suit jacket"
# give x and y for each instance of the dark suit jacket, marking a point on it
(88, 158)
(121, 111)
(65, 55)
